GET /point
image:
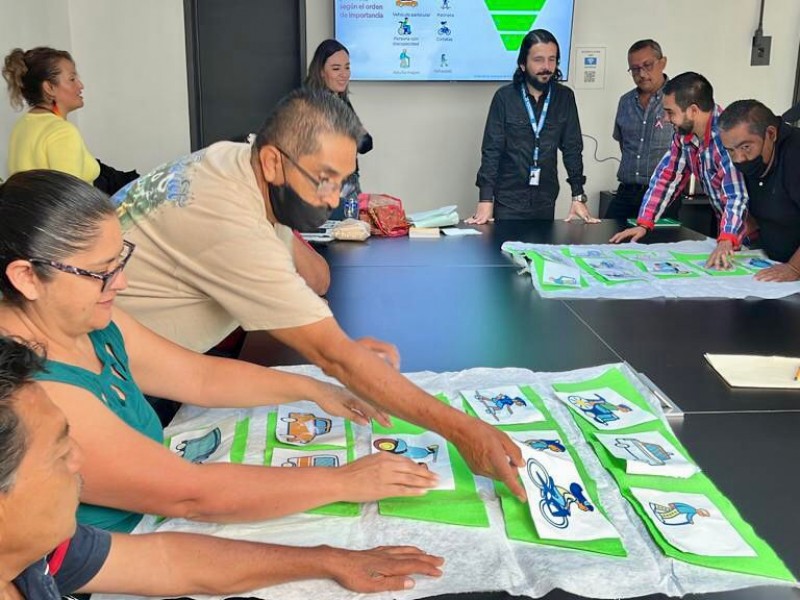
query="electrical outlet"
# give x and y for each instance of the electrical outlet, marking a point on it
(759, 56)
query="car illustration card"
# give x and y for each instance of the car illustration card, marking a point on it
(304, 423)
(648, 453)
(692, 523)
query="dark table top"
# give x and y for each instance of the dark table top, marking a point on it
(483, 250)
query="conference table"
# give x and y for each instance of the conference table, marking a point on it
(455, 303)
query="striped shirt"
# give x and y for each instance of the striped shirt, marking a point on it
(711, 164)
(644, 136)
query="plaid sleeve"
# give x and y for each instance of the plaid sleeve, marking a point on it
(732, 198)
(667, 180)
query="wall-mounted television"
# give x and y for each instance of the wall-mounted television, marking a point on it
(445, 40)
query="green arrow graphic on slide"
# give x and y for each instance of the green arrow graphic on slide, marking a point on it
(514, 18)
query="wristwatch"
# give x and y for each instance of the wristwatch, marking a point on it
(583, 198)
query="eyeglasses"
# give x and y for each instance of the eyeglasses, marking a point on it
(645, 67)
(107, 278)
(325, 187)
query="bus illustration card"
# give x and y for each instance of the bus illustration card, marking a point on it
(605, 408)
(284, 457)
(648, 453)
(304, 423)
(692, 523)
(558, 500)
(505, 405)
(428, 449)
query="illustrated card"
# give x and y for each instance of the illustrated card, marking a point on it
(505, 405)
(613, 269)
(605, 408)
(587, 252)
(692, 523)
(429, 449)
(754, 262)
(559, 504)
(648, 453)
(284, 457)
(540, 440)
(210, 444)
(304, 423)
(662, 268)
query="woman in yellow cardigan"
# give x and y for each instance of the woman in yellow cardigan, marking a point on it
(46, 79)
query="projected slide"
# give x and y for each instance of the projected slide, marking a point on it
(447, 40)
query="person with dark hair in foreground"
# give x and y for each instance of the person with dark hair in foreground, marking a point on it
(529, 120)
(696, 149)
(211, 230)
(44, 555)
(767, 152)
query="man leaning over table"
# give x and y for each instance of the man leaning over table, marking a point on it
(210, 231)
(44, 555)
(767, 153)
(696, 149)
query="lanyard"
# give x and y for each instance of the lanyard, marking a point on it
(537, 127)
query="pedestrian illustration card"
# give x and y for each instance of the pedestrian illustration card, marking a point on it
(502, 406)
(648, 453)
(540, 440)
(555, 269)
(692, 523)
(754, 261)
(428, 449)
(284, 457)
(605, 408)
(558, 500)
(304, 423)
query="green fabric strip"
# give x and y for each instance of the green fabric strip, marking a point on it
(461, 506)
(635, 256)
(516, 514)
(336, 509)
(766, 563)
(239, 445)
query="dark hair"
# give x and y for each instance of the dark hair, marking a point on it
(536, 36)
(644, 44)
(324, 51)
(691, 88)
(302, 116)
(49, 215)
(757, 116)
(18, 364)
(25, 72)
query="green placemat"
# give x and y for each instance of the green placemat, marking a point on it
(766, 563)
(585, 266)
(639, 257)
(518, 521)
(661, 223)
(461, 506)
(340, 509)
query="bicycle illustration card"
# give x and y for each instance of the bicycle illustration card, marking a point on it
(648, 453)
(604, 407)
(692, 523)
(560, 507)
(505, 405)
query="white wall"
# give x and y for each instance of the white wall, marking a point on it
(428, 135)
(25, 25)
(132, 59)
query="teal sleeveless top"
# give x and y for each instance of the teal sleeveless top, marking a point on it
(115, 388)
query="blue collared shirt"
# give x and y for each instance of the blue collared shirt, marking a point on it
(644, 136)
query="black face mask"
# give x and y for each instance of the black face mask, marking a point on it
(291, 210)
(753, 168)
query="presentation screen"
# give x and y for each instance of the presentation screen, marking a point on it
(445, 40)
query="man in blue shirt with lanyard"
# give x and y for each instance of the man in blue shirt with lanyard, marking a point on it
(529, 120)
(644, 135)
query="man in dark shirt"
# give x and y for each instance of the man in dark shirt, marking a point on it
(529, 120)
(767, 152)
(39, 491)
(644, 135)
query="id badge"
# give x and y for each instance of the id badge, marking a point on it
(533, 178)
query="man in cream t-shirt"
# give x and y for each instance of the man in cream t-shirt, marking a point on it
(214, 249)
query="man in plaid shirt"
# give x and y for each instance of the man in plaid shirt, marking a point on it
(696, 149)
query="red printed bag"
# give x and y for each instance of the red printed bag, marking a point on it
(384, 213)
